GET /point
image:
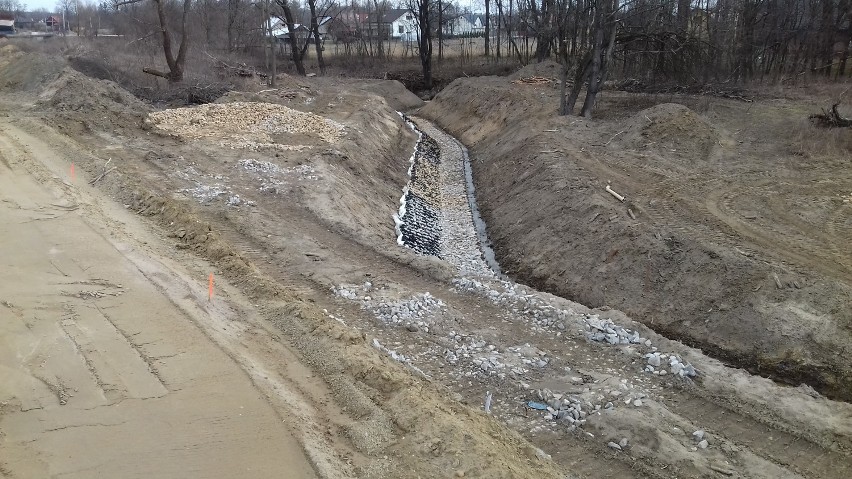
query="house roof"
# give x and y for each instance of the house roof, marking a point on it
(321, 20)
(279, 27)
(391, 15)
(472, 17)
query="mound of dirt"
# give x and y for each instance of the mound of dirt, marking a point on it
(394, 92)
(671, 126)
(355, 181)
(547, 69)
(21, 71)
(98, 104)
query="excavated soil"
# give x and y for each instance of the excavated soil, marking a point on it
(377, 361)
(733, 237)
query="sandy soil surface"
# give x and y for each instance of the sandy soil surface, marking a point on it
(303, 243)
(734, 235)
(104, 369)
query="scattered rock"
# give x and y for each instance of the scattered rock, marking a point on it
(654, 359)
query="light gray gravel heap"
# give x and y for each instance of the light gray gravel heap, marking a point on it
(677, 366)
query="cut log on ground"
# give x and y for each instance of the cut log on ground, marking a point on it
(831, 119)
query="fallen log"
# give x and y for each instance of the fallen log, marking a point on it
(831, 118)
(156, 73)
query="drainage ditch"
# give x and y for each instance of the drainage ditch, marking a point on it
(438, 214)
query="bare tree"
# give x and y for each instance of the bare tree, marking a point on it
(12, 6)
(296, 55)
(421, 9)
(487, 27)
(592, 70)
(507, 23)
(234, 7)
(177, 62)
(312, 4)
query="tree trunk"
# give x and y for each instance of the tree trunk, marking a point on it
(272, 45)
(291, 28)
(487, 27)
(233, 11)
(380, 33)
(499, 34)
(544, 36)
(583, 70)
(602, 54)
(312, 4)
(440, 29)
(425, 41)
(507, 23)
(267, 31)
(175, 63)
(595, 68)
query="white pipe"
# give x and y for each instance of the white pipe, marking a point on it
(613, 193)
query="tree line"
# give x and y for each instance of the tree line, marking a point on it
(650, 41)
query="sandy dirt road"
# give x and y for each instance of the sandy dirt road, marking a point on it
(102, 374)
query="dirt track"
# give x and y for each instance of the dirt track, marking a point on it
(312, 227)
(102, 349)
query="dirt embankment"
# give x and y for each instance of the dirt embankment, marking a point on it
(733, 235)
(381, 420)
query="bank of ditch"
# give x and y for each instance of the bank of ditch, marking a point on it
(661, 256)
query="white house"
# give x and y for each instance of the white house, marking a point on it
(281, 32)
(466, 24)
(397, 23)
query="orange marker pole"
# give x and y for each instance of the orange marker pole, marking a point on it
(210, 288)
(72, 173)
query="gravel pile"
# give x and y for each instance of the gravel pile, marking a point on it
(261, 146)
(605, 331)
(676, 365)
(275, 179)
(547, 316)
(269, 169)
(218, 120)
(419, 312)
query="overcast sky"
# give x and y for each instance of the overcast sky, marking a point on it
(49, 5)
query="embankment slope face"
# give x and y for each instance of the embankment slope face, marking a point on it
(289, 368)
(732, 236)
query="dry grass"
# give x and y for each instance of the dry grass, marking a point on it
(811, 141)
(121, 60)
